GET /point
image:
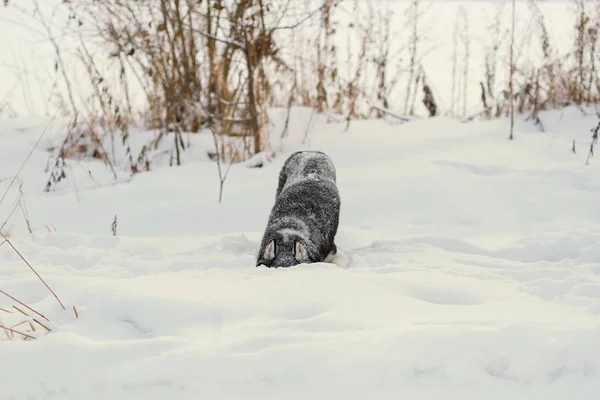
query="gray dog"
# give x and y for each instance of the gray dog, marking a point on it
(304, 220)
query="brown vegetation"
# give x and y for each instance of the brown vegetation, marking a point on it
(178, 66)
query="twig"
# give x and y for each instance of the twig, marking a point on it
(19, 324)
(23, 304)
(390, 113)
(17, 332)
(302, 21)
(21, 311)
(218, 39)
(33, 269)
(15, 208)
(42, 325)
(482, 112)
(113, 226)
(58, 53)
(27, 158)
(594, 141)
(222, 176)
(308, 126)
(289, 110)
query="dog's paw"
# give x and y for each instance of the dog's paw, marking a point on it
(339, 258)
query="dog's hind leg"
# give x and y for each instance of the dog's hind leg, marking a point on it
(338, 257)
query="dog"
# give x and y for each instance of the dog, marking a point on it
(304, 220)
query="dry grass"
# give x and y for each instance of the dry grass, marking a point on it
(18, 320)
(218, 65)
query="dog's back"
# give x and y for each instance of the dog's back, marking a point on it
(304, 220)
(306, 165)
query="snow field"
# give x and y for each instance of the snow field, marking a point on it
(474, 272)
(474, 261)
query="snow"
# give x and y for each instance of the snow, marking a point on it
(474, 270)
(473, 261)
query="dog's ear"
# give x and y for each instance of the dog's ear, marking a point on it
(269, 252)
(301, 253)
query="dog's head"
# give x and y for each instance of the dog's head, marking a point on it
(284, 251)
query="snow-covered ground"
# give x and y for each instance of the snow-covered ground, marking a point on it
(474, 274)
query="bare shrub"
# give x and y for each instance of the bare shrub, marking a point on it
(186, 66)
(197, 65)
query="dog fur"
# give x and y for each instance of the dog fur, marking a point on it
(304, 219)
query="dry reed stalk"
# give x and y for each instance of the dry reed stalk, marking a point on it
(19, 324)
(23, 304)
(21, 311)
(42, 325)
(17, 332)
(16, 176)
(33, 269)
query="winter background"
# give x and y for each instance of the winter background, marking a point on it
(474, 259)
